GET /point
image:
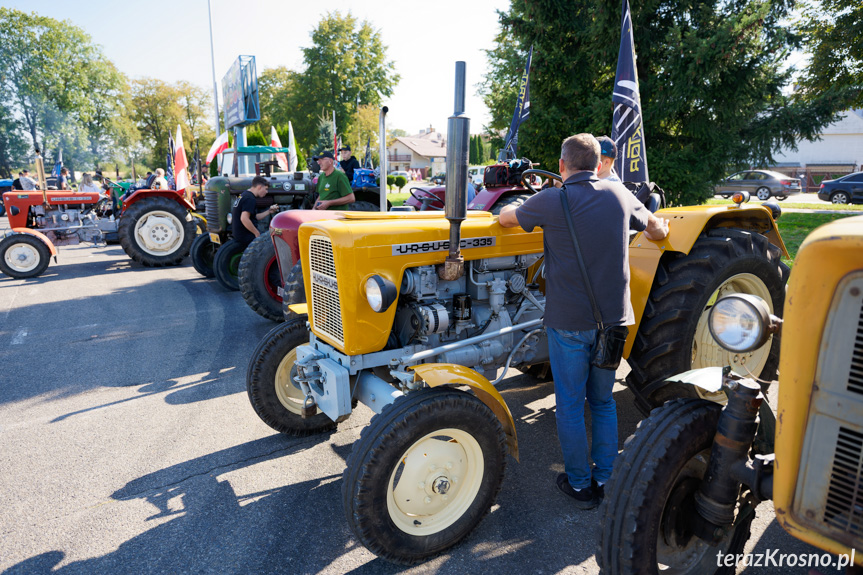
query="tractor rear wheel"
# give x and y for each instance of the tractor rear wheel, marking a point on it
(202, 253)
(423, 474)
(362, 206)
(260, 280)
(271, 382)
(650, 499)
(295, 290)
(508, 200)
(226, 265)
(673, 336)
(157, 231)
(23, 256)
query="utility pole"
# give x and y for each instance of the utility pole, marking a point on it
(213, 62)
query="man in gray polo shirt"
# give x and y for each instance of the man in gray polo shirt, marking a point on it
(603, 212)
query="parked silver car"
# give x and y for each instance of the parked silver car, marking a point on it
(759, 183)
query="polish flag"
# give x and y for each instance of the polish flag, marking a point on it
(277, 143)
(292, 149)
(181, 164)
(219, 146)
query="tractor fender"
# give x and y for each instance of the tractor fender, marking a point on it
(437, 374)
(286, 225)
(686, 224)
(170, 194)
(37, 234)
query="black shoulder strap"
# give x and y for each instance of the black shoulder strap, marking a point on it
(597, 316)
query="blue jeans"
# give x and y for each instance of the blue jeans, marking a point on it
(574, 381)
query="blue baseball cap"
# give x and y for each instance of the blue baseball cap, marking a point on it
(607, 147)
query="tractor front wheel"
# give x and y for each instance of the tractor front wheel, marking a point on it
(202, 253)
(157, 232)
(260, 280)
(649, 502)
(423, 474)
(226, 265)
(23, 256)
(271, 382)
(673, 336)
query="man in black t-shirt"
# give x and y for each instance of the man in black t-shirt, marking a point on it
(348, 163)
(242, 226)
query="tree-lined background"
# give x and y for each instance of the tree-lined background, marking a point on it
(718, 87)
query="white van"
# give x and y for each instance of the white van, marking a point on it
(475, 174)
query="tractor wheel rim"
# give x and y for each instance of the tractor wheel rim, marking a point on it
(288, 393)
(22, 257)
(269, 272)
(435, 481)
(159, 233)
(706, 352)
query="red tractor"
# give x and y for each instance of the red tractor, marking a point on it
(155, 227)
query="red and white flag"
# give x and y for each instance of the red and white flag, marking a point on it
(277, 143)
(219, 146)
(292, 149)
(181, 164)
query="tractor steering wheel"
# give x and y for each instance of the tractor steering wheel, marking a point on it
(527, 176)
(425, 202)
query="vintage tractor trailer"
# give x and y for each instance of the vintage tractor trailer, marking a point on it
(154, 227)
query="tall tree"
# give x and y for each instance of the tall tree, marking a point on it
(157, 113)
(276, 87)
(13, 147)
(833, 35)
(711, 76)
(346, 65)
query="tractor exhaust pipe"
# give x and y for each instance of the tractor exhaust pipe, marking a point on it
(382, 128)
(458, 134)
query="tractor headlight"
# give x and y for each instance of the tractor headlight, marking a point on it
(740, 322)
(380, 293)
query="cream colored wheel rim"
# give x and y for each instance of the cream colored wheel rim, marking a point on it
(435, 482)
(159, 233)
(22, 257)
(707, 353)
(290, 396)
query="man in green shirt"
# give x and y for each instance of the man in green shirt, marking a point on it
(334, 189)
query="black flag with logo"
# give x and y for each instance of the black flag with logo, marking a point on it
(522, 111)
(627, 130)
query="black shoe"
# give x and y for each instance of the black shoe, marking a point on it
(584, 498)
(598, 490)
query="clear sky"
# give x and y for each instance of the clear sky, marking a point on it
(169, 40)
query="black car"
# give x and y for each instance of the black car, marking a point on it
(845, 190)
(439, 179)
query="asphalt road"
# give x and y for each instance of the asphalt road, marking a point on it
(128, 445)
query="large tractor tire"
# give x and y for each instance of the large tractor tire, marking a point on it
(23, 256)
(423, 474)
(260, 280)
(202, 252)
(270, 382)
(362, 206)
(649, 501)
(295, 290)
(226, 265)
(673, 336)
(157, 232)
(508, 200)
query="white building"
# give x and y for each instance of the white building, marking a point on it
(839, 151)
(425, 151)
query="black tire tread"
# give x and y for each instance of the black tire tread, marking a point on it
(255, 259)
(260, 376)
(221, 263)
(509, 200)
(641, 475)
(387, 429)
(202, 254)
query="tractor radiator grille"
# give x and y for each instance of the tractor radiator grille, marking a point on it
(855, 374)
(326, 305)
(211, 205)
(844, 509)
(829, 492)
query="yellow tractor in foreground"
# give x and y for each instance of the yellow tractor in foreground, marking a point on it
(415, 314)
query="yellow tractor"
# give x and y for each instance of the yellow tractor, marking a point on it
(684, 491)
(414, 315)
